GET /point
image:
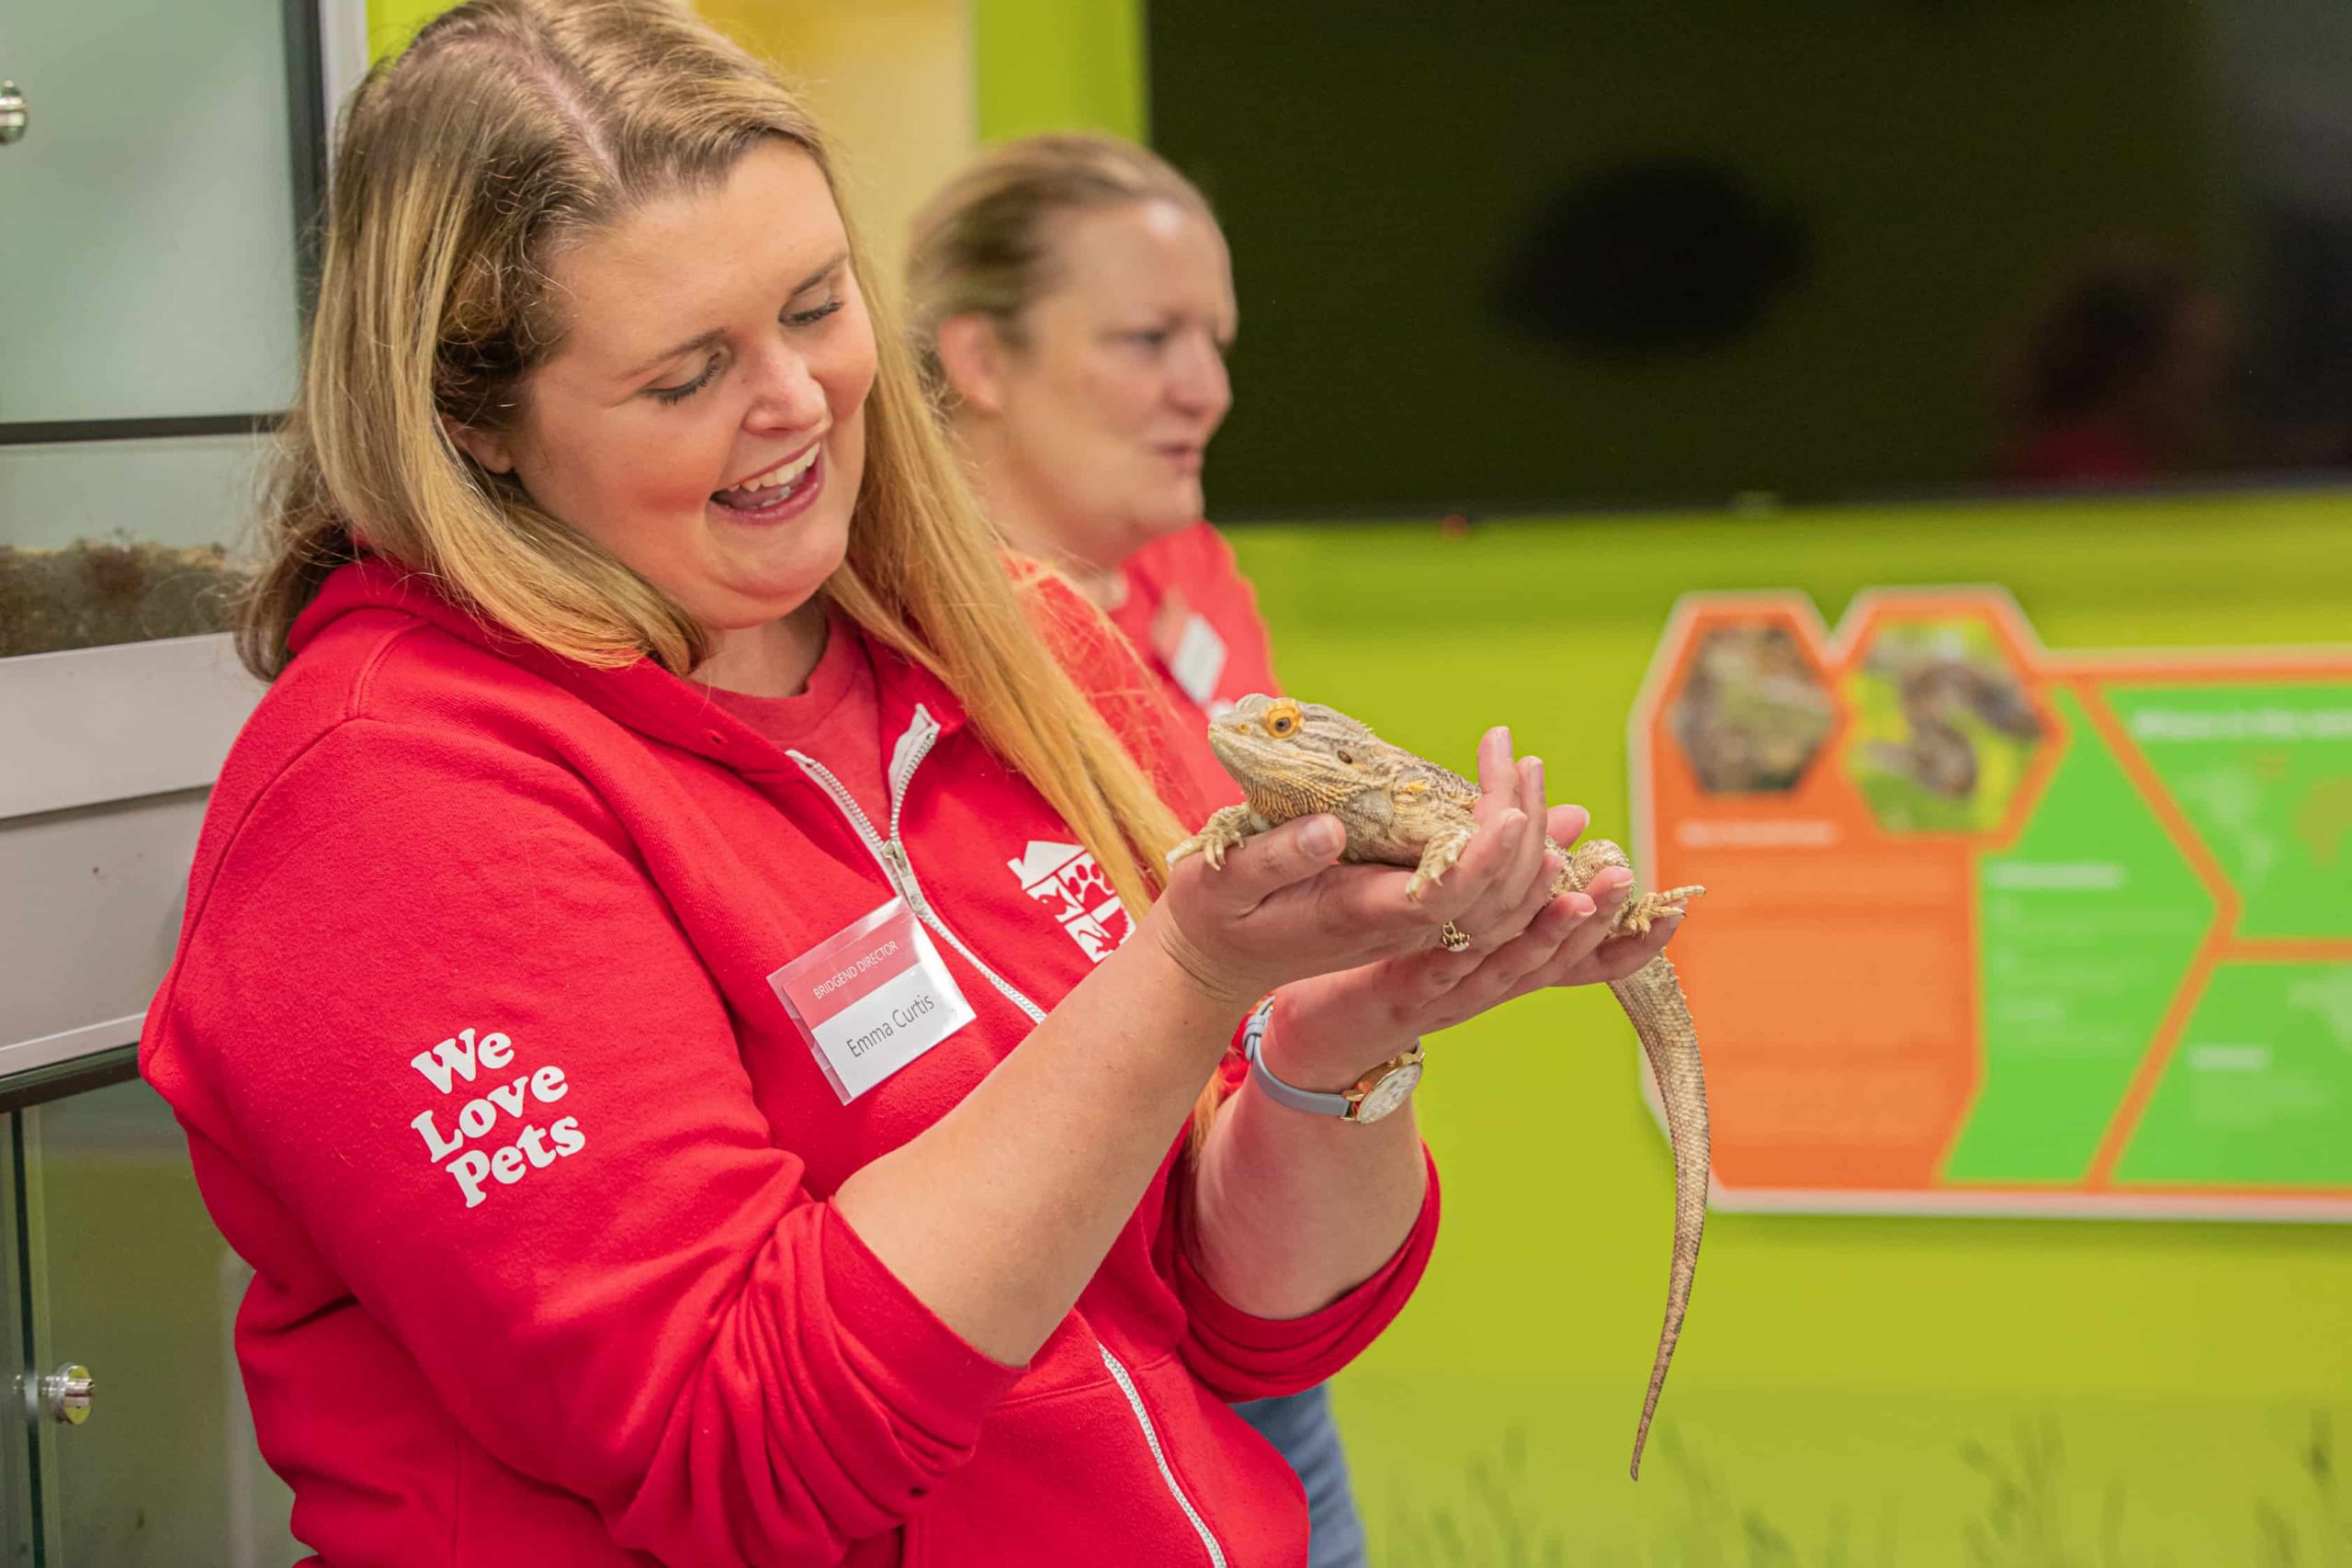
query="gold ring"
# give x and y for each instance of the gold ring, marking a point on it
(1453, 939)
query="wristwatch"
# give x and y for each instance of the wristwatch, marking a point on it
(1372, 1096)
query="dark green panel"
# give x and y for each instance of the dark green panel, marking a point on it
(1945, 159)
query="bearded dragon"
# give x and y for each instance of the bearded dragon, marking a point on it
(1295, 759)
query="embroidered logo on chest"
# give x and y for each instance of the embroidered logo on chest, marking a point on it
(1065, 879)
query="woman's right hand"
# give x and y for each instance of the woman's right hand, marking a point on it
(1283, 908)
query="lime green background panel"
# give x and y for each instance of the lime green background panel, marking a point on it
(2259, 1089)
(1835, 1370)
(2076, 970)
(2265, 775)
(1039, 64)
(391, 23)
(1059, 65)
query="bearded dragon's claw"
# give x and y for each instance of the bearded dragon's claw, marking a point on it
(1437, 858)
(1225, 829)
(1647, 910)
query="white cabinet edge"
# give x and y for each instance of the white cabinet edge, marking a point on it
(94, 725)
(73, 1043)
(343, 54)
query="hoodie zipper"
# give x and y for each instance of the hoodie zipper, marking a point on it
(890, 853)
(1160, 1456)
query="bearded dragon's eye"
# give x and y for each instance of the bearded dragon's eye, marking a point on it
(1282, 720)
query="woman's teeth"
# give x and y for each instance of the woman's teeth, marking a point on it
(754, 492)
(784, 475)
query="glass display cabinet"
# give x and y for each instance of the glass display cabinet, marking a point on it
(161, 165)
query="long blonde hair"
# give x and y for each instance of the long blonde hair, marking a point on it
(980, 245)
(506, 128)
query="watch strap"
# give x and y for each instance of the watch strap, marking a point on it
(1315, 1102)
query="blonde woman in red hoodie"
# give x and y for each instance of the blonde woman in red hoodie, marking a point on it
(672, 1002)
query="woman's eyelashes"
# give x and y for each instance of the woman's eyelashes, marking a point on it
(685, 390)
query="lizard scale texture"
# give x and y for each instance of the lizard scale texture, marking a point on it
(1295, 759)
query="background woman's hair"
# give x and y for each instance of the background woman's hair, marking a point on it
(983, 243)
(506, 129)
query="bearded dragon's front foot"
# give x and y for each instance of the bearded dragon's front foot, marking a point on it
(1437, 858)
(1227, 828)
(1645, 910)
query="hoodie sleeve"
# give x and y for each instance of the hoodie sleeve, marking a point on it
(443, 1015)
(1240, 1356)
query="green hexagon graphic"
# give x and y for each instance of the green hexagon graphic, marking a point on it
(2264, 773)
(2085, 928)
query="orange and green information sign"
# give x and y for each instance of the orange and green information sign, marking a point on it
(1991, 928)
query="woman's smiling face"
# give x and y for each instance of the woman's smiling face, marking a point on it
(704, 419)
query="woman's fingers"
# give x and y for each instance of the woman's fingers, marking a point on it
(1474, 894)
(1360, 909)
(1535, 898)
(1265, 863)
(1518, 966)
(1497, 774)
(1478, 896)
(1528, 864)
(1620, 956)
(1616, 958)
(1572, 921)
(1608, 890)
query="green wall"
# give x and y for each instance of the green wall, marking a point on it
(1058, 65)
(1836, 1371)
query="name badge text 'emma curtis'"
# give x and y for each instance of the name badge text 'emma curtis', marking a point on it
(870, 998)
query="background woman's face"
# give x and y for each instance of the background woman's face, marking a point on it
(704, 419)
(1117, 380)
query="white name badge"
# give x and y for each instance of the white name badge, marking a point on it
(1197, 659)
(870, 998)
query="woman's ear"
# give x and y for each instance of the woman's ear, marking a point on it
(487, 447)
(971, 355)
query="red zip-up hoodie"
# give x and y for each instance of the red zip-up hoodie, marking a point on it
(449, 885)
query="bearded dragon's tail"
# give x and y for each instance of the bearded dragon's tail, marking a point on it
(1653, 999)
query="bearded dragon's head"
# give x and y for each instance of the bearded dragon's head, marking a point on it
(1293, 758)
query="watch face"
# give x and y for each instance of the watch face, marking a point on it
(1388, 1093)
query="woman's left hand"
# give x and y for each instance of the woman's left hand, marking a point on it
(1329, 1030)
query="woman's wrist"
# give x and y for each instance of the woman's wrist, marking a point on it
(1307, 1047)
(1184, 976)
